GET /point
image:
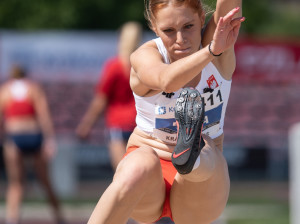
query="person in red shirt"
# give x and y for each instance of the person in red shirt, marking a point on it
(114, 96)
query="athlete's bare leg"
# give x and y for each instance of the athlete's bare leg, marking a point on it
(15, 173)
(137, 191)
(117, 149)
(41, 168)
(203, 193)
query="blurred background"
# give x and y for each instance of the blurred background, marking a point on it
(63, 44)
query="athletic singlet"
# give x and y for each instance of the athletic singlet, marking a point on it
(155, 114)
(20, 104)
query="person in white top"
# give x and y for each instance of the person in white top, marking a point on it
(188, 53)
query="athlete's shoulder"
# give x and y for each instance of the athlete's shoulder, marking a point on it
(149, 45)
(145, 52)
(113, 61)
(29, 83)
(5, 85)
(34, 87)
(3, 89)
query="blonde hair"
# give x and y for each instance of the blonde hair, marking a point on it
(130, 37)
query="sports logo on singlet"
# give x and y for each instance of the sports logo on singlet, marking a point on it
(212, 82)
(165, 124)
(213, 107)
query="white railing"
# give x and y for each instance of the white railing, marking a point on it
(294, 173)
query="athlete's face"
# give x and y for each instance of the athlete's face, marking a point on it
(179, 27)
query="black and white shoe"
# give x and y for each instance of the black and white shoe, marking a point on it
(189, 115)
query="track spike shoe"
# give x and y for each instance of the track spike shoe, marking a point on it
(189, 115)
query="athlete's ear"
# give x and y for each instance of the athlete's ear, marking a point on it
(202, 18)
(154, 28)
(155, 31)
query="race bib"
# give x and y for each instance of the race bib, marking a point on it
(165, 123)
(213, 111)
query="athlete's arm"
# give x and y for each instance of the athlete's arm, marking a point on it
(42, 110)
(150, 70)
(95, 109)
(222, 8)
(1, 103)
(225, 6)
(222, 20)
(105, 87)
(45, 120)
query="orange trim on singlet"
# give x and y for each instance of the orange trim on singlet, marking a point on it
(19, 108)
(169, 172)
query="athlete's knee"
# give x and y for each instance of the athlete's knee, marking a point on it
(16, 187)
(139, 170)
(16, 180)
(205, 166)
(146, 165)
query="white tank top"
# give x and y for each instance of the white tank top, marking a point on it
(155, 114)
(19, 90)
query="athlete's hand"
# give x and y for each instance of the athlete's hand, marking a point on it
(49, 148)
(82, 131)
(226, 32)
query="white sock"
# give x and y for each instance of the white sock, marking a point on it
(197, 163)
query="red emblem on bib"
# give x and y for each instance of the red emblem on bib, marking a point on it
(212, 82)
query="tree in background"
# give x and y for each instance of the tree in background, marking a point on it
(68, 14)
(268, 17)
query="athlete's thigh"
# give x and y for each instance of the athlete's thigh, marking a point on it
(14, 162)
(41, 168)
(149, 207)
(117, 150)
(201, 202)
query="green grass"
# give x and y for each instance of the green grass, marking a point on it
(269, 221)
(257, 213)
(258, 203)
(249, 203)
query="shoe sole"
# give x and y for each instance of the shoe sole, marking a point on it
(189, 115)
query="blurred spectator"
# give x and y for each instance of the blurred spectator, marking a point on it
(28, 134)
(114, 96)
